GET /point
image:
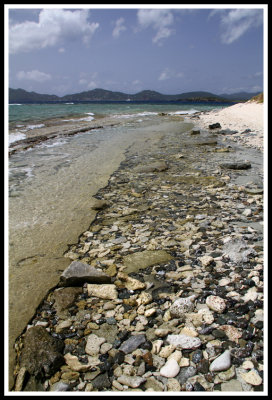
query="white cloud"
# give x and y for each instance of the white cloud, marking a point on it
(158, 19)
(168, 74)
(237, 22)
(33, 75)
(119, 27)
(54, 27)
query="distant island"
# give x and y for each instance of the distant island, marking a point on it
(23, 96)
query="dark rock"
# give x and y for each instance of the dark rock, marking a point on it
(65, 298)
(78, 273)
(215, 126)
(132, 343)
(198, 387)
(41, 354)
(236, 165)
(101, 382)
(185, 373)
(203, 366)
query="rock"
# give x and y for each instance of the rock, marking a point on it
(130, 283)
(74, 363)
(93, 344)
(215, 126)
(234, 334)
(170, 369)
(216, 303)
(185, 373)
(132, 343)
(41, 354)
(195, 132)
(143, 259)
(131, 381)
(65, 298)
(182, 306)
(206, 260)
(158, 166)
(104, 291)
(222, 362)
(99, 204)
(78, 273)
(236, 165)
(231, 386)
(101, 382)
(237, 250)
(252, 377)
(60, 387)
(184, 341)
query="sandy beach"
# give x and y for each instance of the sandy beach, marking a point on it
(240, 118)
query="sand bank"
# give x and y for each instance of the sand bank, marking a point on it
(240, 117)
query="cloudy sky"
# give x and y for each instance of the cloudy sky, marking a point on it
(129, 49)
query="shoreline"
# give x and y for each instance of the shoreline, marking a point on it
(242, 122)
(155, 200)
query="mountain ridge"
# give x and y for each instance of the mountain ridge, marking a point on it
(22, 96)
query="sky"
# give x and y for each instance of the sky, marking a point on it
(129, 48)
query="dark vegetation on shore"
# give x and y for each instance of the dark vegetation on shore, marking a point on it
(23, 96)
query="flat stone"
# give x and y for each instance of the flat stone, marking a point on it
(158, 166)
(74, 363)
(231, 386)
(184, 341)
(206, 260)
(99, 204)
(65, 298)
(131, 381)
(221, 363)
(252, 377)
(101, 382)
(132, 343)
(170, 369)
(103, 291)
(77, 273)
(143, 259)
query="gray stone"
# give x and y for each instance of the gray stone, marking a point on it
(185, 373)
(184, 341)
(221, 363)
(60, 387)
(157, 166)
(41, 354)
(131, 381)
(78, 273)
(101, 382)
(132, 343)
(182, 306)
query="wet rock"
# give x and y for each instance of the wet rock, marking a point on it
(77, 273)
(42, 354)
(236, 165)
(152, 167)
(184, 374)
(216, 125)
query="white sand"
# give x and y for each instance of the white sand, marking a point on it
(239, 117)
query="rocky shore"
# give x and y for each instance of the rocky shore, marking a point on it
(164, 292)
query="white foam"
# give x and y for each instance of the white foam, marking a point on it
(35, 126)
(13, 137)
(142, 114)
(183, 112)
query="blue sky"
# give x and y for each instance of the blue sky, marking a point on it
(129, 49)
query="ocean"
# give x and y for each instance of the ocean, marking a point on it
(51, 184)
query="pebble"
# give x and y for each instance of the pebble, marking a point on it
(170, 369)
(179, 302)
(222, 362)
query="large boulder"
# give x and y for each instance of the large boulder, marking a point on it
(41, 354)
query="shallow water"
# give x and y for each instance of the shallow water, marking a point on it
(50, 198)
